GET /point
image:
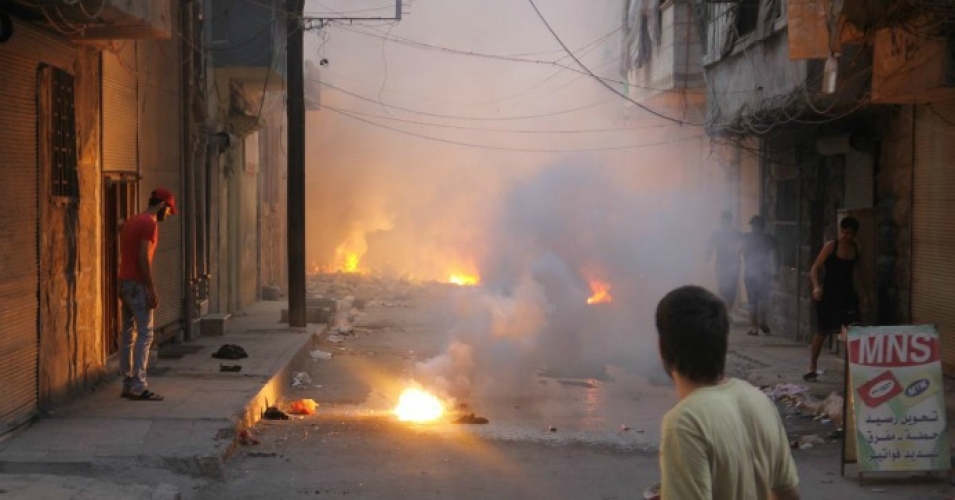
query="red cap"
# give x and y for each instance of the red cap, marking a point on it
(167, 196)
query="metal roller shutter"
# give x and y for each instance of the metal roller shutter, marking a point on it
(160, 159)
(20, 58)
(120, 112)
(933, 217)
(859, 179)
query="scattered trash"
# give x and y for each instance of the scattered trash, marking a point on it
(261, 454)
(335, 338)
(836, 434)
(273, 413)
(246, 439)
(301, 379)
(303, 406)
(553, 429)
(781, 391)
(230, 368)
(470, 419)
(652, 492)
(319, 355)
(879, 490)
(230, 351)
(806, 441)
(828, 411)
(624, 427)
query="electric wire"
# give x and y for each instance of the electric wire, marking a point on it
(454, 117)
(504, 148)
(601, 80)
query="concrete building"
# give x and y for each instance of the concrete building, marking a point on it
(662, 61)
(826, 113)
(102, 107)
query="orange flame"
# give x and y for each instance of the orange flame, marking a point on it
(601, 292)
(462, 279)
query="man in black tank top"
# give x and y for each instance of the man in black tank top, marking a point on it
(837, 303)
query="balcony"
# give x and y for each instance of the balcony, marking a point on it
(663, 56)
(91, 20)
(246, 42)
(248, 39)
(912, 68)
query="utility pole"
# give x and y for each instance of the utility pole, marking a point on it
(295, 212)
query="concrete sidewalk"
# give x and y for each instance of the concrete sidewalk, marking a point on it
(193, 431)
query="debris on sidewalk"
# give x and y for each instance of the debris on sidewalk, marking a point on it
(273, 413)
(230, 368)
(246, 439)
(301, 379)
(785, 391)
(797, 397)
(230, 351)
(320, 355)
(806, 441)
(303, 406)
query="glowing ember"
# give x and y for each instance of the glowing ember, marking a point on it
(416, 405)
(601, 293)
(464, 279)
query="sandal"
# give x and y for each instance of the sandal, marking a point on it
(810, 377)
(146, 395)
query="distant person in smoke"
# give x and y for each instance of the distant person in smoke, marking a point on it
(837, 303)
(726, 245)
(724, 439)
(760, 255)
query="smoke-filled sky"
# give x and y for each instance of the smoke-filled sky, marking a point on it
(427, 158)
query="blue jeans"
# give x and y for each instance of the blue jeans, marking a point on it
(134, 344)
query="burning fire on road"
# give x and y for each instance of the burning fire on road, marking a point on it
(461, 279)
(419, 406)
(601, 293)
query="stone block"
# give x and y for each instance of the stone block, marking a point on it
(312, 315)
(270, 292)
(215, 324)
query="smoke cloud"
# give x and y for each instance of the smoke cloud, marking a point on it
(543, 219)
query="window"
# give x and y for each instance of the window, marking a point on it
(747, 16)
(57, 109)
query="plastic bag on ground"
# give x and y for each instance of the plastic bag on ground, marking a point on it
(320, 355)
(303, 406)
(301, 379)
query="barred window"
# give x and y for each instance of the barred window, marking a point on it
(64, 181)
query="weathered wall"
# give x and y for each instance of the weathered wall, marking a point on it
(753, 79)
(71, 327)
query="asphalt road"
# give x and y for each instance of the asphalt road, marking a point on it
(566, 438)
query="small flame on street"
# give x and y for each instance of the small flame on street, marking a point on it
(601, 292)
(417, 405)
(461, 279)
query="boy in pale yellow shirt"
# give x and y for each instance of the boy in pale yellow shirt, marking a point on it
(724, 439)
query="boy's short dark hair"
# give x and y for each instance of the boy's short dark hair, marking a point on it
(693, 329)
(850, 223)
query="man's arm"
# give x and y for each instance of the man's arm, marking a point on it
(145, 269)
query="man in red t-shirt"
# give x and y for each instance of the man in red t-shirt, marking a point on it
(137, 292)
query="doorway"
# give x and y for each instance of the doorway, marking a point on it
(119, 203)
